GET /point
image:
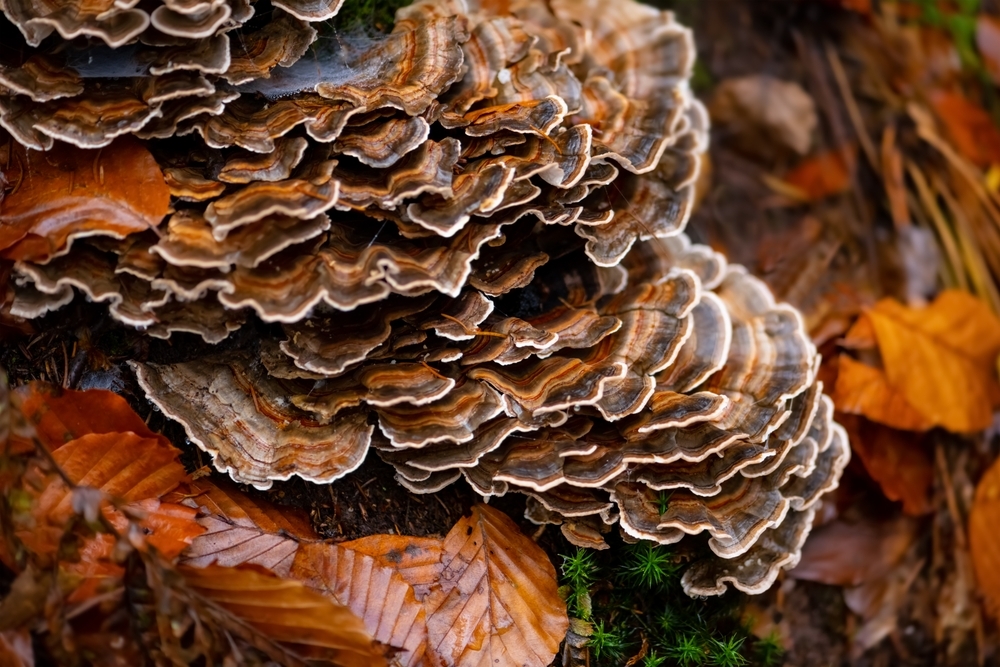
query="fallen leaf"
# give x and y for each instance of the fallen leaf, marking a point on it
(861, 335)
(417, 559)
(864, 390)
(497, 603)
(287, 612)
(898, 461)
(984, 539)
(124, 466)
(239, 530)
(60, 415)
(764, 115)
(69, 192)
(375, 592)
(942, 358)
(848, 553)
(824, 174)
(969, 126)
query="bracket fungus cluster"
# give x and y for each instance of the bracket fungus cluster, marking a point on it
(468, 235)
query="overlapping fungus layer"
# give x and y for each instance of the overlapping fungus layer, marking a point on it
(470, 232)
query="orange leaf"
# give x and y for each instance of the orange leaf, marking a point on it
(239, 530)
(942, 358)
(375, 592)
(417, 559)
(287, 612)
(69, 192)
(861, 335)
(60, 415)
(122, 465)
(898, 461)
(969, 127)
(823, 175)
(984, 539)
(863, 390)
(221, 497)
(497, 602)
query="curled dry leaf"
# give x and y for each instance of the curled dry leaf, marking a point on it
(984, 540)
(942, 358)
(69, 192)
(287, 612)
(497, 601)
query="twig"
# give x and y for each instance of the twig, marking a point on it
(852, 106)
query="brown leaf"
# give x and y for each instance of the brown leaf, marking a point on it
(843, 553)
(124, 466)
(239, 530)
(823, 175)
(417, 559)
(375, 592)
(984, 539)
(287, 612)
(864, 390)
(942, 358)
(68, 191)
(897, 460)
(60, 415)
(497, 602)
(968, 126)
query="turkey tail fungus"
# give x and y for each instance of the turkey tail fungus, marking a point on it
(468, 235)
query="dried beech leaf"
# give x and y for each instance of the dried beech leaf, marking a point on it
(287, 612)
(374, 591)
(60, 415)
(497, 602)
(239, 530)
(984, 539)
(863, 390)
(942, 358)
(70, 192)
(416, 559)
(897, 460)
(124, 466)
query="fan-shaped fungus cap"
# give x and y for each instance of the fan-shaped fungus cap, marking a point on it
(471, 233)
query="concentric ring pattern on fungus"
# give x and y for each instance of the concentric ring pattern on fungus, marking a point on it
(469, 233)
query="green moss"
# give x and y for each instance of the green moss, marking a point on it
(633, 596)
(367, 15)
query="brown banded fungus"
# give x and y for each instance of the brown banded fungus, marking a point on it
(469, 236)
